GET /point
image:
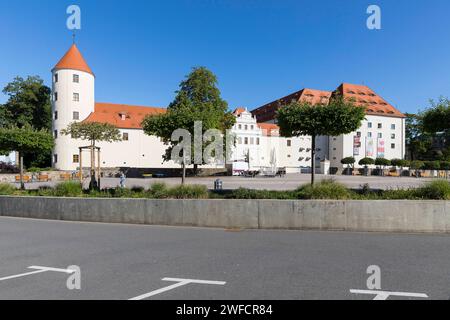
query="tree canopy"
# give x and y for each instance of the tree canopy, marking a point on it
(197, 100)
(339, 116)
(93, 132)
(437, 118)
(28, 104)
(25, 140)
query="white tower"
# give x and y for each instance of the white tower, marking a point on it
(73, 85)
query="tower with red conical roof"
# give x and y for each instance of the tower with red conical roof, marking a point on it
(73, 99)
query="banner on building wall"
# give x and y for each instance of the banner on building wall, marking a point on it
(369, 147)
(380, 148)
(356, 145)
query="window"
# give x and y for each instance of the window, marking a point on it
(76, 97)
(56, 115)
(56, 96)
(380, 126)
(393, 136)
(257, 141)
(252, 127)
(252, 141)
(76, 115)
(245, 140)
(380, 135)
(358, 134)
(240, 127)
(369, 134)
(76, 158)
(369, 125)
(76, 78)
(246, 127)
(239, 140)
(393, 126)
(56, 77)
(289, 156)
(125, 136)
(289, 143)
(56, 134)
(392, 145)
(55, 158)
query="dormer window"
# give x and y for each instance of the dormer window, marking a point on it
(123, 116)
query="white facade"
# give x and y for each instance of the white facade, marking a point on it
(266, 149)
(11, 158)
(374, 131)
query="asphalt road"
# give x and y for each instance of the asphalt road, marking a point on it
(127, 261)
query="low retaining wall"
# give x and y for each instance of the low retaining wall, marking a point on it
(384, 216)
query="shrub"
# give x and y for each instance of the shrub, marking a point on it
(397, 162)
(189, 192)
(137, 189)
(416, 165)
(366, 162)
(6, 189)
(382, 162)
(243, 193)
(68, 189)
(327, 189)
(432, 165)
(436, 190)
(445, 165)
(158, 191)
(350, 161)
(8, 168)
(35, 169)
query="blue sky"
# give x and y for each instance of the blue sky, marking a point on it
(260, 50)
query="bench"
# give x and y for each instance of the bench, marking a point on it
(66, 177)
(25, 179)
(43, 178)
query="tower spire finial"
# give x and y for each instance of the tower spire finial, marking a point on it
(73, 37)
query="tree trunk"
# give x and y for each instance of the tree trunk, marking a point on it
(183, 177)
(313, 159)
(22, 184)
(93, 183)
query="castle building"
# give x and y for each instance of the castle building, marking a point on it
(382, 134)
(258, 141)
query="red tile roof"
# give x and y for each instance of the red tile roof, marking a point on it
(238, 111)
(114, 113)
(269, 129)
(73, 59)
(363, 95)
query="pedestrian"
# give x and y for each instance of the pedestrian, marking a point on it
(122, 180)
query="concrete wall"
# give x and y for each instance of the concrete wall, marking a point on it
(381, 216)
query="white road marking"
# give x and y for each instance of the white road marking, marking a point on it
(180, 283)
(38, 270)
(384, 295)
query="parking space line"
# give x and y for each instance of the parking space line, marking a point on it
(38, 270)
(384, 295)
(180, 283)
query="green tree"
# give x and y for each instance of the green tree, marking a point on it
(349, 162)
(436, 121)
(197, 100)
(339, 116)
(366, 162)
(28, 104)
(418, 142)
(93, 132)
(25, 140)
